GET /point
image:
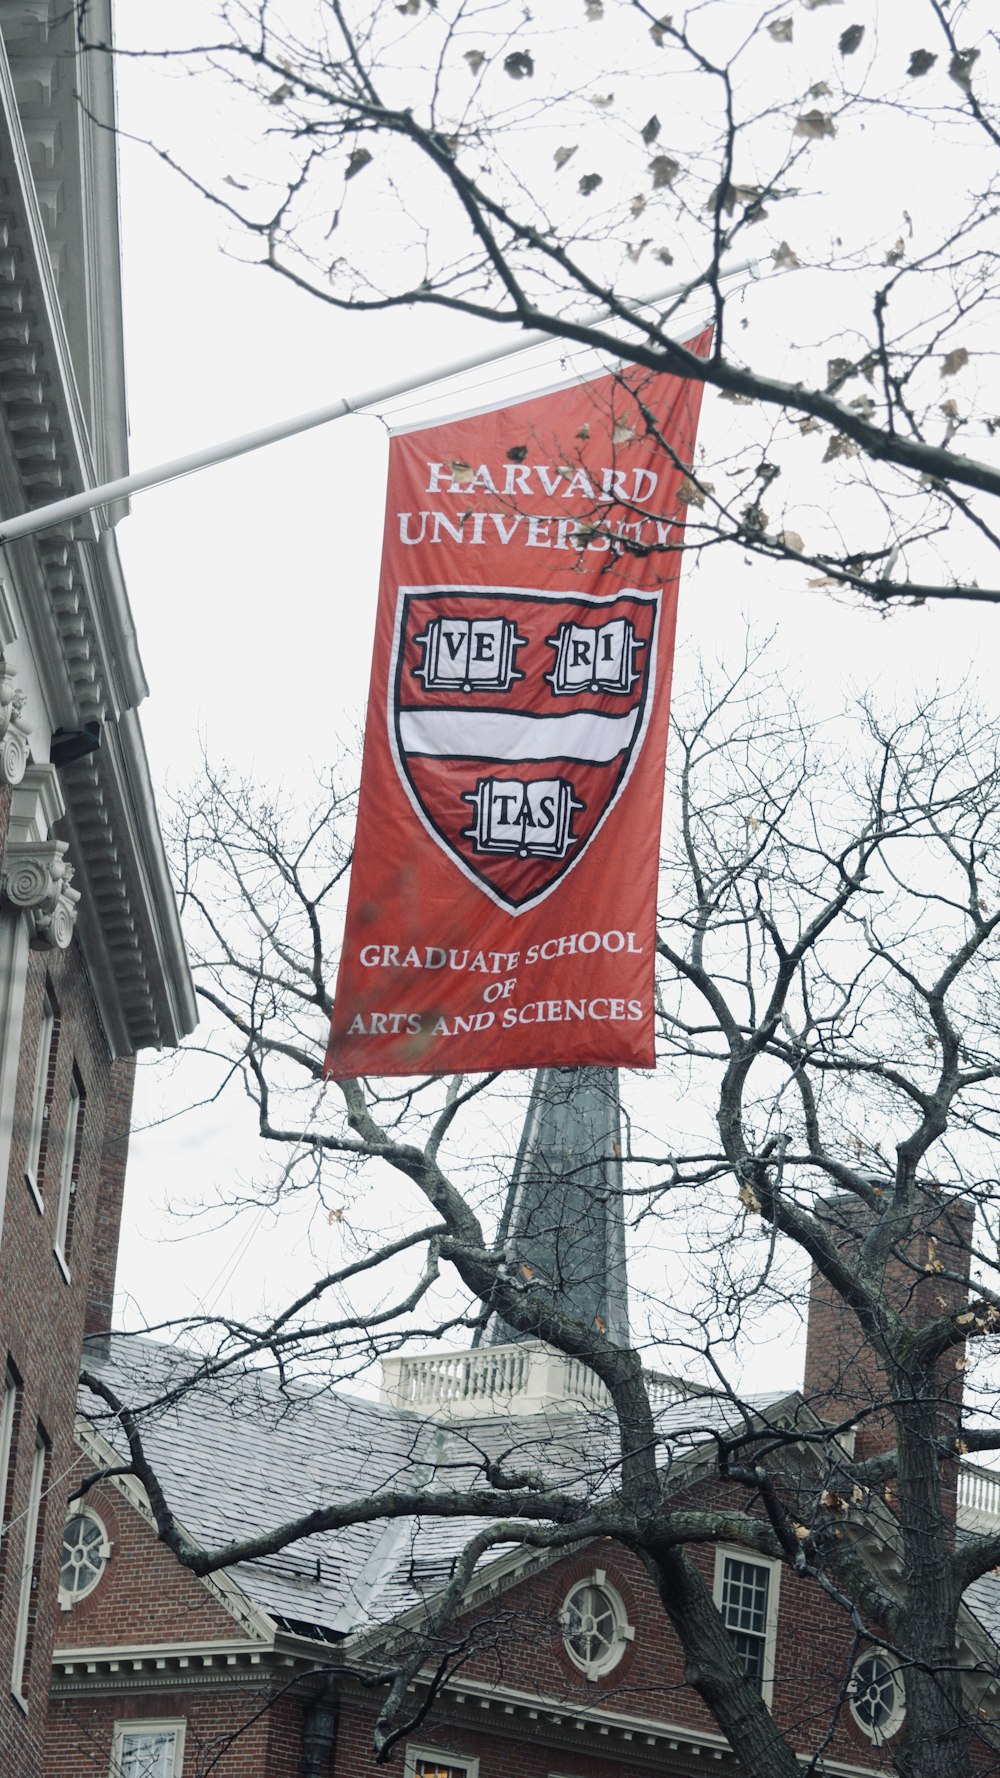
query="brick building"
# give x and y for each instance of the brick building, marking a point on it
(569, 1668)
(92, 967)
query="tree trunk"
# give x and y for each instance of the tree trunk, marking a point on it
(712, 1668)
(937, 1733)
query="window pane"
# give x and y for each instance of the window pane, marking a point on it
(148, 1755)
(39, 1105)
(744, 1612)
(432, 1768)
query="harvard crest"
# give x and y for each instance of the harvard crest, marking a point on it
(515, 718)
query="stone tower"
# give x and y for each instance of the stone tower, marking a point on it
(563, 1216)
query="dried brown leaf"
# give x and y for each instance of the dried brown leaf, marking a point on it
(595, 9)
(475, 59)
(954, 361)
(638, 203)
(815, 125)
(623, 432)
(689, 493)
(840, 446)
(517, 453)
(785, 256)
(519, 64)
(748, 1198)
(562, 155)
(921, 62)
(780, 30)
(810, 424)
(850, 40)
(664, 256)
(602, 100)
(279, 94)
(791, 540)
(650, 129)
(960, 68)
(589, 183)
(658, 31)
(359, 159)
(664, 170)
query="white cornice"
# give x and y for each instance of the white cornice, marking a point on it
(67, 595)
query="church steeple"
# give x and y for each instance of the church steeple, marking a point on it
(563, 1216)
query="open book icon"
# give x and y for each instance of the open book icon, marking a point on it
(595, 658)
(526, 818)
(469, 654)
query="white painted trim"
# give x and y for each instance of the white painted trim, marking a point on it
(153, 1725)
(738, 1553)
(454, 1763)
(27, 1566)
(14, 949)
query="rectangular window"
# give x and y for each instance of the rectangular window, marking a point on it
(746, 1594)
(68, 1172)
(41, 1100)
(423, 1762)
(8, 1417)
(148, 1749)
(27, 1604)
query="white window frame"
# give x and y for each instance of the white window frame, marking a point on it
(39, 1101)
(726, 1552)
(443, 1756)
(624, 1631)
(8, 1409)
(879, 1736)
(149, 1725)
(67, 1600)
(66, 1170)
(27, 1572)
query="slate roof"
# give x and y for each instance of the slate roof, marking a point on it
(983, 1597)
(244, 1454)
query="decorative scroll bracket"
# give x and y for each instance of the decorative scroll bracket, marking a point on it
(37, 880)
(14, 731)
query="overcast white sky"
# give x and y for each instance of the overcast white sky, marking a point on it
(253, 588)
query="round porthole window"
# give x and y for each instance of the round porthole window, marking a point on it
(595, 1626)
(85, 1553)
(878, 1703)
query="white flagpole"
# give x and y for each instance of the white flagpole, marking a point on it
(72, 505)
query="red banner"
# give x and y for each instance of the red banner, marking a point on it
(503, 893)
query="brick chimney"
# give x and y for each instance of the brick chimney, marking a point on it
(843, 1377)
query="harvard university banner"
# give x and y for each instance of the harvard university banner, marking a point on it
(503, 893)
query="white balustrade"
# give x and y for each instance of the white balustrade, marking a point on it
(525, 1377)
(978, 1497)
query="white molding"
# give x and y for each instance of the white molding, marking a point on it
(151, 1725)
(449, 1758)
(739, 1553)
(14, 953)
(14, 729)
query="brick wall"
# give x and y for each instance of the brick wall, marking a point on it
(842, 1372)
(42, 1313)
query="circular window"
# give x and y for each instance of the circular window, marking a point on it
(594, 1626)
(85, 1552)
(878, 1704)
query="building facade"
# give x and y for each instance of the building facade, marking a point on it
(559, 1664)
(92, 966)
